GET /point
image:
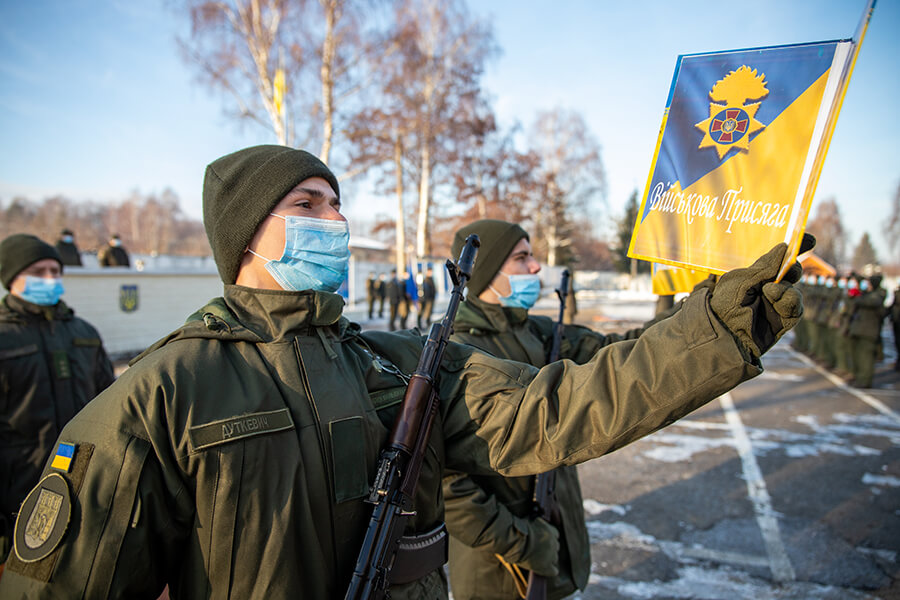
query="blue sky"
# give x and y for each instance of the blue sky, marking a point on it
(95, 101)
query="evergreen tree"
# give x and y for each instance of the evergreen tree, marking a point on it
(624, 228)
(864, 254)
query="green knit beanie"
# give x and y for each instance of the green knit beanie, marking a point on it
(241, 189)
(498, 238)
(20, 251)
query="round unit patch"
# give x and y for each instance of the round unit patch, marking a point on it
(43, 519)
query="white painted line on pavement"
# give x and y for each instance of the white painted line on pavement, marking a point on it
(779, 563)
(870, 400)
(712, 555)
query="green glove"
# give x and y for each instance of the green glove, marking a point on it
(709, 283)
(541, 553)
(757, 310)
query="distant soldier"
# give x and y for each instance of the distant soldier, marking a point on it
(812, 305)
(429, 292)
(67, 249)
(113, 254)
(800, 343)
(395, 296)
(371, 293)
(865, 329)
(381, 289)
(828, 322)
(894, 315)
(410, 298)
(572, 304)
(840, 324)
(51, 365)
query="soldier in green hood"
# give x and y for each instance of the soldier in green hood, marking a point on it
(495, 536)
(232, 459)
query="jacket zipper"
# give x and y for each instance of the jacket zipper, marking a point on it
(322, 449)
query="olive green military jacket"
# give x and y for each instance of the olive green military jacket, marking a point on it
(868, 314)
(51, 364)
(489, 514)
(894, 310)
(812, 302)
(231, 460)
(828, 298)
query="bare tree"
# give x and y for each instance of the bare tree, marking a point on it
(827, 226)
(253, 50)
(491, 178)
(148, 224)
(571, 175)
(269, 57)
(444, 51)
(891, 227)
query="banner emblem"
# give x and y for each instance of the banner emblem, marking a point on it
(731, 124)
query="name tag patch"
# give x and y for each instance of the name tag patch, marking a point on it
(43, 519)
(236, 428)
(61, 364)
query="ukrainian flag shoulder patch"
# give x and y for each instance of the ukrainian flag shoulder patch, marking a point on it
(62, 460)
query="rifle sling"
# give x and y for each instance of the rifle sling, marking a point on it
(419, 555)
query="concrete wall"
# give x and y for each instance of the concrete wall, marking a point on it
(164, 300)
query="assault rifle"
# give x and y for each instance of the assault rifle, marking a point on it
(394, 488)
(544, 503)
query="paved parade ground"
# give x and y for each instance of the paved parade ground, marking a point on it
(786, 488)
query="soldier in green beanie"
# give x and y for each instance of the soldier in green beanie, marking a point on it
(51, 364)
(867, 314)
(234, 456)
(113, 254)
(495, 536)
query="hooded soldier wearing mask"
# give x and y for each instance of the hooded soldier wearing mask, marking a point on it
(495, 537)
(51, 364)
(233, 458)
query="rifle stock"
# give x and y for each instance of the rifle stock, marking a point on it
(394, 487)
(545, 505)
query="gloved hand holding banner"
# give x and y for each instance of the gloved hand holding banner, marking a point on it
(739, 153)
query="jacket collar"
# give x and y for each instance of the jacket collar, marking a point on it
(261, 316)
(475, 313)
(279, 314)
(28, 310)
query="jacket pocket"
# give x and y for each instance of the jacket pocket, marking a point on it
(18, 352)
(348, 449)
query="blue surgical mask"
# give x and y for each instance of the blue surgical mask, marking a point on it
(316, 254)
(45, 292)
(524, 291)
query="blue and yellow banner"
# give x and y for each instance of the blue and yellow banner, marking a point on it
(667, 281)
(740, 149)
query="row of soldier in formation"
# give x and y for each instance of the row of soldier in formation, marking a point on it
(234, 457)
(842, 324)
